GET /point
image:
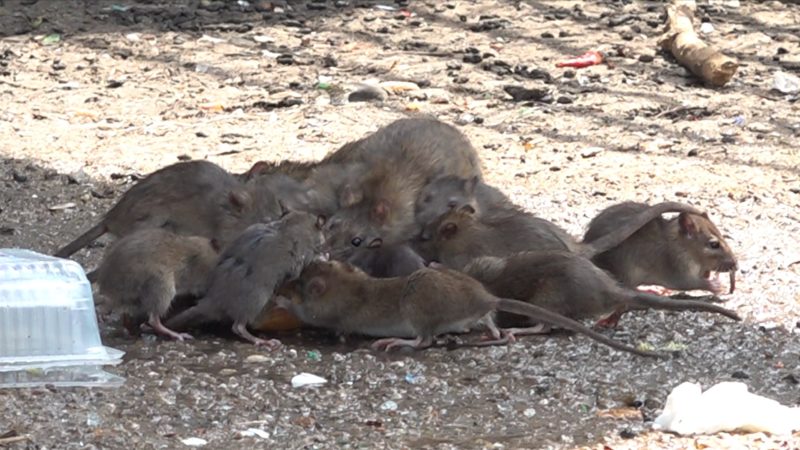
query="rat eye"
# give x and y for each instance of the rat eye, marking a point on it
(356, 241)
(714, 245)
(452, 204)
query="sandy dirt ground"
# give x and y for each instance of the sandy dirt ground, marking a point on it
(94, 93)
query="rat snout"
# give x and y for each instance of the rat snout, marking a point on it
(728, 265)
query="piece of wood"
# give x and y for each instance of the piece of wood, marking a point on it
(682, 41)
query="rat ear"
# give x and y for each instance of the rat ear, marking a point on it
(317, 286)
(350, 196)
(239, 199)
(471, 184)
(321, 219)
(688, 227)
(467, 209)
(449, 230)
(375, 243)
(284, 209)
(259, 168)
(381, 210)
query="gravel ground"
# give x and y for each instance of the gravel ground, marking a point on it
(92, 93)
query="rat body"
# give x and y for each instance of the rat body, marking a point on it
(570, 285)
(461, 235)
(400, 159)
(144, 271)
(408, 311)
(679, 253)
(388, 261)
(251, 268)
(194, 198)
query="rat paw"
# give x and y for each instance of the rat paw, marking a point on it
(183, 337)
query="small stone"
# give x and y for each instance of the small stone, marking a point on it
(256, 359)
(728, 139)
(569, 74)
(113, 84)
(77, 177)
(547, 35)
(646, 58)
(452, 65)
(472, 58)
(521, 94)
(18, 176)
(389, 405)
(692, 152)
(530, 412)
(465, 119)
(564, 100)
(740, 375)
(627, 434)
(367, 93)
(285, 59)
(590, 152)
(58, 65)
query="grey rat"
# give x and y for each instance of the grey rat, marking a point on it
(569, 284)
(143, 272)
(251, 268)
(679, 253)
(408, 311)
(194, 198)
(387, 261)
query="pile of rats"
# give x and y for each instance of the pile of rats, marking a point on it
(395, 236)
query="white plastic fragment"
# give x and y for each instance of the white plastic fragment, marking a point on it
(786, 83)
(307, 379)
(255, 432)
(726, 406)
(194, 442)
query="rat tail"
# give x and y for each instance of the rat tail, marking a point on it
(644, 300)
(82, 241)
(196, 315)
(544, 315)
(625, 230)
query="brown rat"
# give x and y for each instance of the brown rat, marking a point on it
(251, 268)
(570, 285)
(460, 235)
(194, 198)
(143, 272)
(401, 158)
(408, 311)
(679, 253)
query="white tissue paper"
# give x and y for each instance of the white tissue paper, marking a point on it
(726, 406)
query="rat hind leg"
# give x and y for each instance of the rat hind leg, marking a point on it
(240, 329)
(387, 344)
(155, 322)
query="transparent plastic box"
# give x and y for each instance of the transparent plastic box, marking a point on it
(48, 324)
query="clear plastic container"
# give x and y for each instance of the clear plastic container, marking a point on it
(48, 325)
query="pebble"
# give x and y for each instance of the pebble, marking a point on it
(564, 100)
(530, 412)
(389, 405)
(18, 176)
(646, 58)
(256, 359)
(367, 93)
(472, 58)
(465, 119)
(521, 94)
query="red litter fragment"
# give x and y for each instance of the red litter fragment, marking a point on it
(585, 60)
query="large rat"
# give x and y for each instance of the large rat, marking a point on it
(408, 311)
(569, 284)
(401, 158)
(144, 271)
(460, 236)
(679, 253)
(251, 268)
(194, 198)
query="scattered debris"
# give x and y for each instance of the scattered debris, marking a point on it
(680, 39)
(307, 379)
(587, 59)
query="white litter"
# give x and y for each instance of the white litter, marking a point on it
(194, 442)
(726, 406)
(255, 432)
(307, 379)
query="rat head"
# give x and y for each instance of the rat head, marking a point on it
(706, 251)
(245, 206)
(307, 228)
(440, 196)
(357, 225)
(313, 296)
(447, 234)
